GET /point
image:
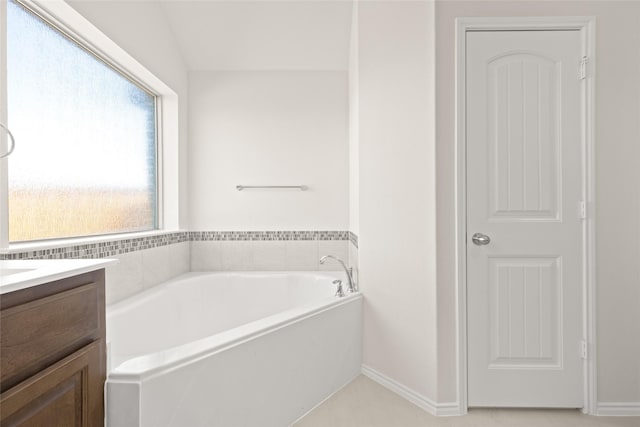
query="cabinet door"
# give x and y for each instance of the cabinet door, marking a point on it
(68, 393)
(40, 332)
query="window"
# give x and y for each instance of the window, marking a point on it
(86, 158)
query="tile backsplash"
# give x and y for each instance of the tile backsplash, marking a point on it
(268, 235)
(140, 270)
(268, 255)
(121, 246)
(104, 249)
(353, 238)
(150, 260)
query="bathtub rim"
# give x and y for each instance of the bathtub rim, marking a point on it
(150, 365)
(139, 297)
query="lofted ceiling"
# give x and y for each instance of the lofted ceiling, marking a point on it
(261, 35)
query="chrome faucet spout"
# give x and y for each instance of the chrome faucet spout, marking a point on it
(353, 287)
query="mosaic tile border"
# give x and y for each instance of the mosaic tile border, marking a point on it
(353, 238)
(197, 236)
(103, 249)
(116, 247)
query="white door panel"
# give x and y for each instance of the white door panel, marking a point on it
(524, 289)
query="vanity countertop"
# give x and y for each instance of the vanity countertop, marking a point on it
(21, 274)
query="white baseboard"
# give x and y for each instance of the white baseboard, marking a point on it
(618, 409)
(438, 409)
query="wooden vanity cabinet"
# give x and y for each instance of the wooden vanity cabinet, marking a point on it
(52, 353)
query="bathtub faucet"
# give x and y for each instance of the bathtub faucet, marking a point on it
(353, 287)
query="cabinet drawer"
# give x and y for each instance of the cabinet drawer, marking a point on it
(67, 394)
(38, 333)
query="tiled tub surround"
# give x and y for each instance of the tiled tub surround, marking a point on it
(103, 249)
(117, 246)
(140, 270)
(268, 235)
(268, 255)
(144, 261)
(353, 238)
(150, 260)
(353, 256)
(271, 250)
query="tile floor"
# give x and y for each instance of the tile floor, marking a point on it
(364, 403)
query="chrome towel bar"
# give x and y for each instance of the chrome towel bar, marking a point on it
(13, 141)
(299, 187)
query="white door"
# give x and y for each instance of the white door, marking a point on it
(524, 186)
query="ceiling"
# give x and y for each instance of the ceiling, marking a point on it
(261, 35)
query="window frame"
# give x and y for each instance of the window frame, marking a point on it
(73, 25)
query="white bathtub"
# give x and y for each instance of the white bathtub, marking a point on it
(230, 349)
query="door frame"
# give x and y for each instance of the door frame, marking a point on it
(586, 26)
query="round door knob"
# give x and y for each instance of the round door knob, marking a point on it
(480, 239)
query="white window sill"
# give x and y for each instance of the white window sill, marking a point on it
(77, 241)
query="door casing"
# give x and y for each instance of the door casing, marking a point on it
(586, 26)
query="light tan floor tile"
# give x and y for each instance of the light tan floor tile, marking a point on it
(364, 403)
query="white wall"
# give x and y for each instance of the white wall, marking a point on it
(354, 126)
(261, 35)
(141, 29)
(617, 170)
(397, 192)
(269, 128)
